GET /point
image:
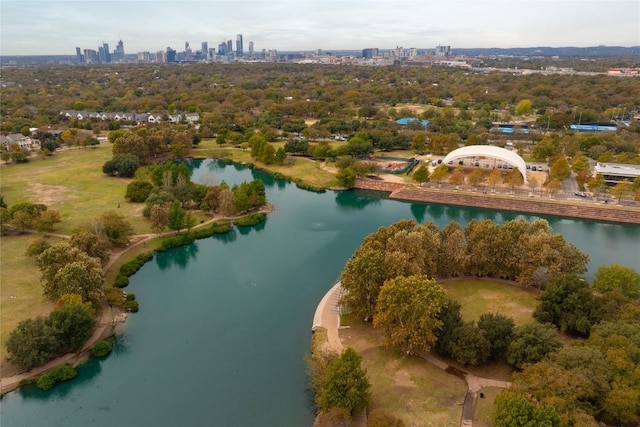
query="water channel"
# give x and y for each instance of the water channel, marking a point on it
(225, 322)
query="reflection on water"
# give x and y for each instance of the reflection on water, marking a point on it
(178, 257)
(225, 322)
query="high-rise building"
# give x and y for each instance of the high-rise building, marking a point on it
(369, 53)
(107, 52)
(204, 51)
(251, 50)
(171, 55)
(161, 56)
(102, 55)
(239, 47)
(187, 48)
(118, 54)
(443, 51)
(229, 46)
(79, 57)
(222, 48)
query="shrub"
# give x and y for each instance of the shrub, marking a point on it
(177, 241)
(121, 281)
(130, 268)
(59, 374)
(251, 220)
(101, 349)
(138, 191)
(37, 247)
(131, 306)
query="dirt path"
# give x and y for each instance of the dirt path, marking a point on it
(327, 316)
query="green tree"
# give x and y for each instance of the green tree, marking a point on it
(560, 169)
(123, 165)
(345, 384)
(532, 343)
(580, 166)
(469, 345)
(280, 156)
(362, 277)
(138, 191)
(418, 143)
(407, 311)
(451, 320)
(346, 177)
(69, 270)
(597, 185)
(452, 251)
(514, 409)
(46, 221)
(616, 277)
(177, 216)
(115, 227)
(95, 245)
(622, 189)
(159, 217)
(421, 174)
(498, 330)
(73, 323)
(32, 343)
(476, 177)
(439, 173)
(569, 304)
(524, 107)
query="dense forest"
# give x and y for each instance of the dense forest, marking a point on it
(283, 100)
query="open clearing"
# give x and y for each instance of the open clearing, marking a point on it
(71, 182)
(488, 296)
(20, 290)
(407, 387)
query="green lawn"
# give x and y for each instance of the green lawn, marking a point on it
(407, 387)
(20, 290)
(484, 407)
(71, 182)
(482, 296)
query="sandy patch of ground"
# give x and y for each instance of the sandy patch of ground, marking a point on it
(50, 194)
(310, 122)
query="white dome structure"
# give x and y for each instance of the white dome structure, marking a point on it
(489, 151)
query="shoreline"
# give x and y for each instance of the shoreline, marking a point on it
(559, 208)
(107, 319)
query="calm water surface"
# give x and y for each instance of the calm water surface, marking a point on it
(225, 322)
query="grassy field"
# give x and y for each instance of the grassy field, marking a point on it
(20, 290)
(482, 296)
(72, 183)
(406, 387)
(484, 407)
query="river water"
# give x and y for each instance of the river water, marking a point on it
(224, 323)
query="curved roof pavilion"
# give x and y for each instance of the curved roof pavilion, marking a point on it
(489, 151)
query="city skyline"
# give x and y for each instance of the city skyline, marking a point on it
(309, 25)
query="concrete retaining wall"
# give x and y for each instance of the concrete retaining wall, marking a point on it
(597, 212)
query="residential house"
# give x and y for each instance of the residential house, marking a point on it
(24, 142)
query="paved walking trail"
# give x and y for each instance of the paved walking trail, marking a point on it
(327, 316)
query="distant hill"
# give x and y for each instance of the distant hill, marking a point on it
(595, 51)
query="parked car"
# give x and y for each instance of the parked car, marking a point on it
(580, 194)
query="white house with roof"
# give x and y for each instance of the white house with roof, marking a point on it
(23, 142)
(192, 117)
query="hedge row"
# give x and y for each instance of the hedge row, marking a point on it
(130, 268)
(61, 373)
(250, 220)
(191, 236)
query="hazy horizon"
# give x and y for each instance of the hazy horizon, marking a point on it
(58, 27)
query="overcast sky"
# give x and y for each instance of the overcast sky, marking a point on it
(57, 27)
